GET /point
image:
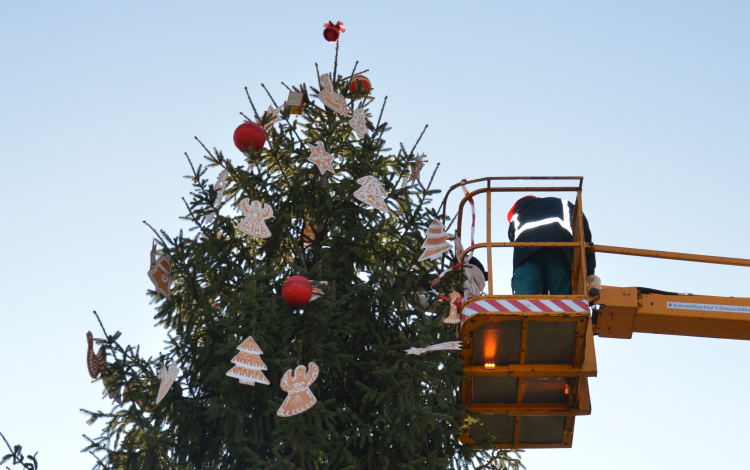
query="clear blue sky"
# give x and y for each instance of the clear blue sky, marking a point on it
(649, 101)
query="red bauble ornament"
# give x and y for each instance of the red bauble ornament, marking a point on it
(332, 31)
(362, 81)
(248, 132)
(297, 291)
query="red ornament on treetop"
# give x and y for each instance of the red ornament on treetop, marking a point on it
(361, 81)
(332, 31)
(296, 291)
(248, 132)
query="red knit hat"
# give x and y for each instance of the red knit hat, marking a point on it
(513, 209)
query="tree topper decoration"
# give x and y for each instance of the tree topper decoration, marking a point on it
(297, 385)
(449, 346)
(321, 158)
(256, 215)
(160, 272)
(95, 362)
(372, 193)
(330, 98)
(358, 122)
(166, 376)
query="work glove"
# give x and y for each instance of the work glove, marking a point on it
(594, 281)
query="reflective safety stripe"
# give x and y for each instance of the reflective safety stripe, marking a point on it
(564, 223)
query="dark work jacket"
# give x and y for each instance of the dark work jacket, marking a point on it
(546, 219)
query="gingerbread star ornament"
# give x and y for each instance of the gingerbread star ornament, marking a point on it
(321, 158)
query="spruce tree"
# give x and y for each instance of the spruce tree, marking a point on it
(378, 408)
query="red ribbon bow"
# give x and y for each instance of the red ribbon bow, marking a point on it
(337, 26)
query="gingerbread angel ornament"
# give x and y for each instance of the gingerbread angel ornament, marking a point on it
(297, 385)
(256, 215)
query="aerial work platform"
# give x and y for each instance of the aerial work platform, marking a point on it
(528, 358)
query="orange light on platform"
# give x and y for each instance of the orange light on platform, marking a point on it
(567, 389)
(489, 365)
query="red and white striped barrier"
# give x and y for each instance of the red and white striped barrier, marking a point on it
(523, 305)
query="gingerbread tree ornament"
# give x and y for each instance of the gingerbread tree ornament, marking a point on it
(297, 385)
(256, 215)
(321, 158)
(372, 193)
(436, 242)
(248, 367)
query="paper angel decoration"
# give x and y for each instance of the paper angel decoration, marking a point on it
(372, 193)
(160, 272)
(453, 317)
(274, 114)
(248, 366)
(297, 385)
(416, 168)
(95, 362)
(221, 183)
(435, 244)
(449, 346)
(330, 98)
(321, 158)
(166, 376)
(358, 122)
(254, 222)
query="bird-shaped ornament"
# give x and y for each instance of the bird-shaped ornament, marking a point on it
(160, 272)
(297, 385)
(166, 376)
(330, 98)
(372, 193)
(95, 362)
(256, 215)
(321, 158)
(358, 122)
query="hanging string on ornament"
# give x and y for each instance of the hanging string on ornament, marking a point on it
(332, 31)
(160, 272)
(256, 215)
(330, 98)
(297, 385)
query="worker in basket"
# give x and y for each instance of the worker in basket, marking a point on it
(545, 270)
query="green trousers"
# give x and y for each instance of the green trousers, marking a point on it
(547, 271)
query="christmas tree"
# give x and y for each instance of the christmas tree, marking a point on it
(377, 407)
